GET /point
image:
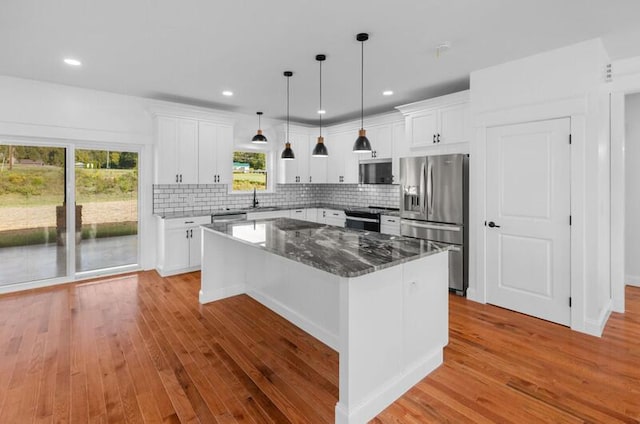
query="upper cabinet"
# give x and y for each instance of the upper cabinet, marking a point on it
(192, 151)
(436, 121)
(177, 152)
(215, 157)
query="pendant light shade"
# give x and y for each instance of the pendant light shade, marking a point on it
(362, 144)
(287, 153)
(320, 150)
(259, 138)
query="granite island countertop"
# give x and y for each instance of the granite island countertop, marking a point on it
(341, 251)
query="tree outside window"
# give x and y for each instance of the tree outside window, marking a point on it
(249, 171)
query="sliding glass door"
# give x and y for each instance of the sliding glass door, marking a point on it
(60, 219)
(33, 230)
(106, 189)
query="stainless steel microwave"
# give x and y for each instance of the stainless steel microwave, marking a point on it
(376, 171)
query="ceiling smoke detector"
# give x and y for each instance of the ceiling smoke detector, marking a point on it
(442, 48)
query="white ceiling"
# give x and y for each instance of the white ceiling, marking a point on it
(191, 50)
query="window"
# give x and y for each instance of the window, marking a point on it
(250, 171)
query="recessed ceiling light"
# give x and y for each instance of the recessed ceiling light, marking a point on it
(227, 93)
(322, 112)
(72, 62)
(387, 93)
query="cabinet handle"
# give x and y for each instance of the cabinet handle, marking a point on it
(434, 138)
(180, 177)
(191, 233)
(309, 178)
(438, 138)
(176, 177)
(187, 234)
(189, 222)
(391, 220)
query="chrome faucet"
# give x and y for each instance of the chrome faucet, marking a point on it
(255, 199)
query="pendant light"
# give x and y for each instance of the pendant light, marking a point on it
(362, 144)
(320, 150)
(259, 138)
(287, 153)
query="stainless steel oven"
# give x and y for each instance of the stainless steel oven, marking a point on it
(362, 220)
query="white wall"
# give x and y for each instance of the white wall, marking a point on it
(559, 83)
(632, 177)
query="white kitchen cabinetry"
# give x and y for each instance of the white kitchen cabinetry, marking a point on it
(342, 166)
(311, 214)
(331, 217)
(381, 138)
(390, 225)
(215, 156)
(192, 151)
(436, 121)
(179, 244)
(286, 213)
(297, 170)
(177, 152)
(299, 214)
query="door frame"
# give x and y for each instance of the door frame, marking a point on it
(625, 80)
(576, 110)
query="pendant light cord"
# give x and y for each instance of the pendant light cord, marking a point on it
(288, 109)
(362, 85)
(320, 98)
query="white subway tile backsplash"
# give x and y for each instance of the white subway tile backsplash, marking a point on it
(174, 198)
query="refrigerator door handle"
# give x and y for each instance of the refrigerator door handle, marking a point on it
(421, 191)
(431, 196)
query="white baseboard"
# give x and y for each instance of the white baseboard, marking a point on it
(213, 295)
(170, 272)
(292, 316)
(472, 294)
(632, 280)
(390, 392)
(595, 327)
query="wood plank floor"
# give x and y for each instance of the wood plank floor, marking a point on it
(139, 348)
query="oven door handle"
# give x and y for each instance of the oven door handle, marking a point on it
(433, 226)
(357, 218)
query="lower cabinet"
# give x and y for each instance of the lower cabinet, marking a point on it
(299, 214)
(390, 225)
(179, 244)
(331, 217)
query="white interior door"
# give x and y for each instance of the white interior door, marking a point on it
(528, 204)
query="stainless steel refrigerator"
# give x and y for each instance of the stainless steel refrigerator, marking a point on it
(434, 198)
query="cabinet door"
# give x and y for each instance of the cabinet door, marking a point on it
(195, 238)
(224, 154)
(423, 127)
(455, 126)
(166, 150)
(381, 139)
(291, 167)
(398, 149)
(335, 164)
(176, 249)
(317, 165)
(207, 155)
(187, 151)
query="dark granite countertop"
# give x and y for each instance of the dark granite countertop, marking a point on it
(189, 214)
(341, 251)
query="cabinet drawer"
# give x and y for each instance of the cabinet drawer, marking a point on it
(334, 214)
(390, 220)
(193, 221)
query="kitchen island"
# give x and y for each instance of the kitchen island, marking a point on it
(379, 300)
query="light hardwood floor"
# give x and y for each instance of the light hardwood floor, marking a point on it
(139, 348)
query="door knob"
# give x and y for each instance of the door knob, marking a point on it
(493, 225)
